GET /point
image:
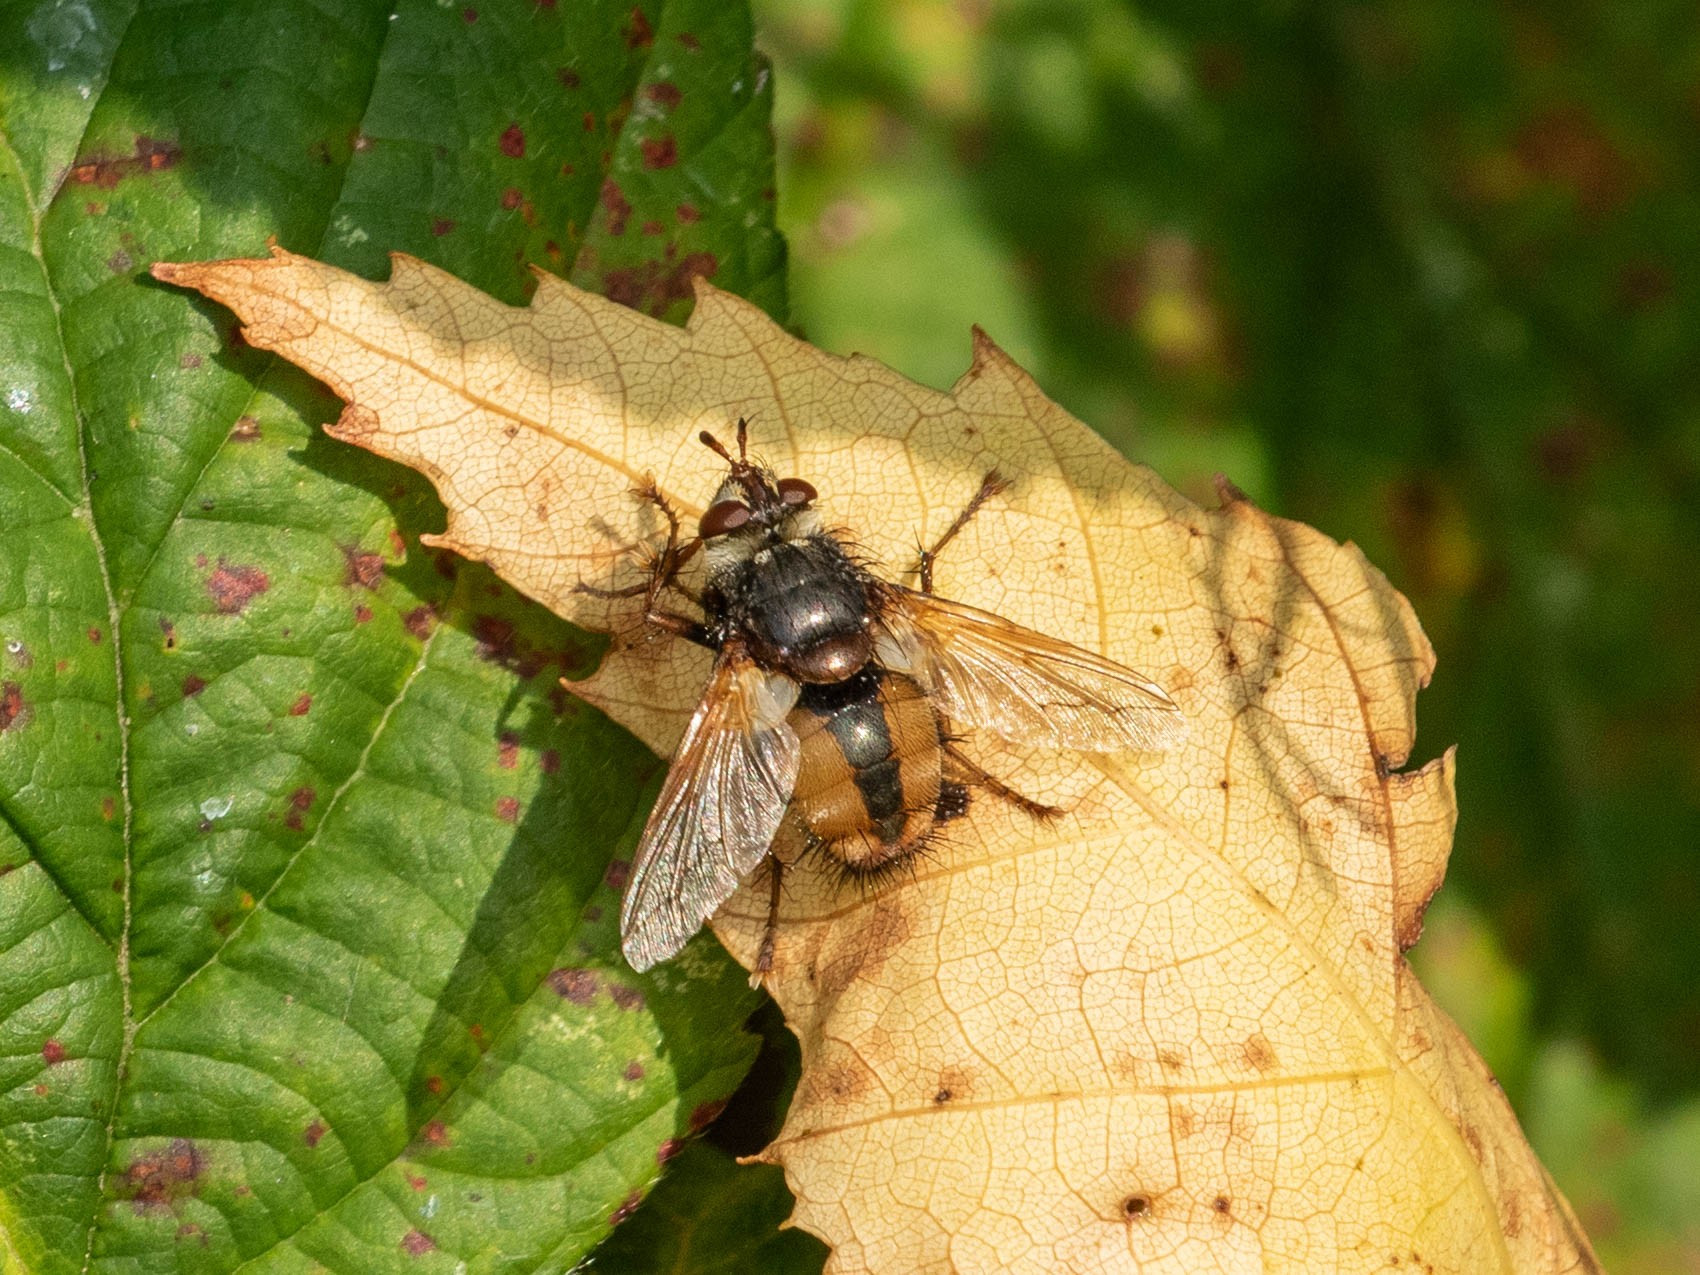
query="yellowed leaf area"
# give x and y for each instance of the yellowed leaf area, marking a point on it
(1172, 1032)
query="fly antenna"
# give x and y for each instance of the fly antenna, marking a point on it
(714, 445)
(741, 467)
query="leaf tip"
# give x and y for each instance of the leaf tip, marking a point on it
(1422, 860)
(1228, 493)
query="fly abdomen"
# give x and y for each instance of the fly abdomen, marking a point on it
(871, 767)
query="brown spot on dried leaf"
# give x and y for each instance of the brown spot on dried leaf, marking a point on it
(1258, 1053)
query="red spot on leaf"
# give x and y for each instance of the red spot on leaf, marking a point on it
(550, 761)
(639, 34)
(575, 985)
(653, 227)
(362, 614)
(164, 1176)
(109, 808)
(589, 123)
(52, 1052)
(189, 362)
(441, 226)
(628, 1206)
(417, 1181)
(300, 802)
(689, 41)
(507, 809)
(512, 142)
(313, 1132)
(511, 198)
(618, 873)
(436, 1133)
(627, 998)
(633, 1071)
(568, 77)
(14, 711)
(94, 636)
(706, 1113)
(469, 15)
(417, 1244)
(660, 152)
(420, 621)
(151, 155)
(303, 703)
(668, 1149)
(193, 685)
(435, 1085)
(653, 286)
(507, 750)
(233, 587)
(664, 93)
(619, 211)
(1568, 147)
(688, 213)
(363, 569)
(246, 430)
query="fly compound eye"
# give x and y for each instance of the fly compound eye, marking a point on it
(795, 493)
(722, 517)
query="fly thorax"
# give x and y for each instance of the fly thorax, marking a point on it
(803, 607)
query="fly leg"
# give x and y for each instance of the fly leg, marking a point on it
(770, 932)
(976, 775)
(991, 485)
(664, 567)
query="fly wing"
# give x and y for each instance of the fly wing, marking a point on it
(719, 808)
(1032, 689)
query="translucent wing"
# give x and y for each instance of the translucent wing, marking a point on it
(719, 808)
(1032, 689)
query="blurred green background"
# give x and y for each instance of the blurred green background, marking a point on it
(1422, 275)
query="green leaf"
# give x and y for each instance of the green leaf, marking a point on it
(712, 1214)
(308, 942)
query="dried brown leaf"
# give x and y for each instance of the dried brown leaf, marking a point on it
(1174, 1031)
